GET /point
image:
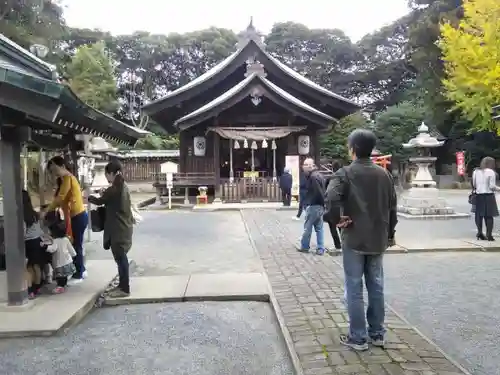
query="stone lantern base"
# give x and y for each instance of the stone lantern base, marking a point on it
(425, 203)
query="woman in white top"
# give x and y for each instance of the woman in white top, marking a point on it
(484, 185)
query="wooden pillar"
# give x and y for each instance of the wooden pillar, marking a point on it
(315, 146)
(216, 141)
(15, 256)
(41, 176)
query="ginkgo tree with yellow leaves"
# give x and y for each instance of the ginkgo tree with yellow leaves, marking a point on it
(471, 55)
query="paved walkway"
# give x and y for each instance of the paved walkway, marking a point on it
(309, 291)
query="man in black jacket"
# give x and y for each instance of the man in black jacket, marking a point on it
(362, 198)
(286, 181)
(314, 201)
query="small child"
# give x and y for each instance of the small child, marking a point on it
(35, 252)
(62, 256)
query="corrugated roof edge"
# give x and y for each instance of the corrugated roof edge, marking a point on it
(140, 132)
(18, 53)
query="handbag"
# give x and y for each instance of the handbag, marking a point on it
(473, 195)
(97, 219)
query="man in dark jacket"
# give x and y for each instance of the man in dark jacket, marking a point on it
(314, 201)
(286, 181)
(362, 198)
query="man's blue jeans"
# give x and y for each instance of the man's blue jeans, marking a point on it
(314, 219)
(356, 266)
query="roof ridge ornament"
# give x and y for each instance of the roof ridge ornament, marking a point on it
(250, 33)
(255, 67)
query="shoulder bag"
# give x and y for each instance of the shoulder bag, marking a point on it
(472, 195)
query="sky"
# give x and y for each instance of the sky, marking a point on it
(355, 17)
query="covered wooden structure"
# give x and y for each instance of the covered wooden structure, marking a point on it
(36, 109)
(240, 120)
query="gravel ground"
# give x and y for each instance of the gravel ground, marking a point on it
(453, 299)
(212, 338)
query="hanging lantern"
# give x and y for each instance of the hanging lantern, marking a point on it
(236, 145)
(304, 144)
(245, 144)
(273, 145)
(254, 145)
(264, 144)
(200, 146)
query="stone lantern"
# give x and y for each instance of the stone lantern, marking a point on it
(99, 148)
(422, 200)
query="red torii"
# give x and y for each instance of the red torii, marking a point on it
(382, 160)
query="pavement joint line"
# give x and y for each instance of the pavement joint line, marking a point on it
(297, 367)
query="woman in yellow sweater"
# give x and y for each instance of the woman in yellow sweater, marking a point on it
(69, 198)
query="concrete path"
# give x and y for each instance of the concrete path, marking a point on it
(196, 287)
(49, 314)
(186, 243)
(308, 290)
(192, 338)
(411, 235)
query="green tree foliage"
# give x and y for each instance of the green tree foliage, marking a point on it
(334, 143)
(471, 53)
(325, 56)
(397, 125)
(28, 22)
(91, 76)
(425, 56)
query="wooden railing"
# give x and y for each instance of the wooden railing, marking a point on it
(250, 189)
(188, 179)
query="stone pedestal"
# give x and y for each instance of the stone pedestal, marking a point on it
(422, 201)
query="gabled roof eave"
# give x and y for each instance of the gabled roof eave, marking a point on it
(252, 79)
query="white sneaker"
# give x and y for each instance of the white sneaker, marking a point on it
(75, 281)
(296, 218)
(85, 275)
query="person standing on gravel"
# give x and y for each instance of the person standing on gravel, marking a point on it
(118, 224)
(362, 199)
(314, 203)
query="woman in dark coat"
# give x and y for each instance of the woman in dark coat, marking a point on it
(118, 224)
(333, 226)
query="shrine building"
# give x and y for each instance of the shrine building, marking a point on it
(239, 121)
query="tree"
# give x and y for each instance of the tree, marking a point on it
(471, 53)
(383, 73)
(325, 56)
(425, 56)
(32, 21)
(333, 145)
(91, 76)
(397, 125)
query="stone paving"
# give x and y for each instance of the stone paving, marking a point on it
(309, 290)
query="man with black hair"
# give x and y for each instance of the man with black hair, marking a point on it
(362, 199)
(314, 203)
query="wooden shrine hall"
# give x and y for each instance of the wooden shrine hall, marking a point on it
(240, 120)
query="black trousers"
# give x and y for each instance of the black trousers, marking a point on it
(335, 235)
(121, 260)
(286, 197)
(62, 281)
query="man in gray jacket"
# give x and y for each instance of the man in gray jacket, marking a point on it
(362, 198)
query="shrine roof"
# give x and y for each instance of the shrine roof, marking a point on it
(34, 96)
(241, 91)
(180, 102)
(24, 60)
